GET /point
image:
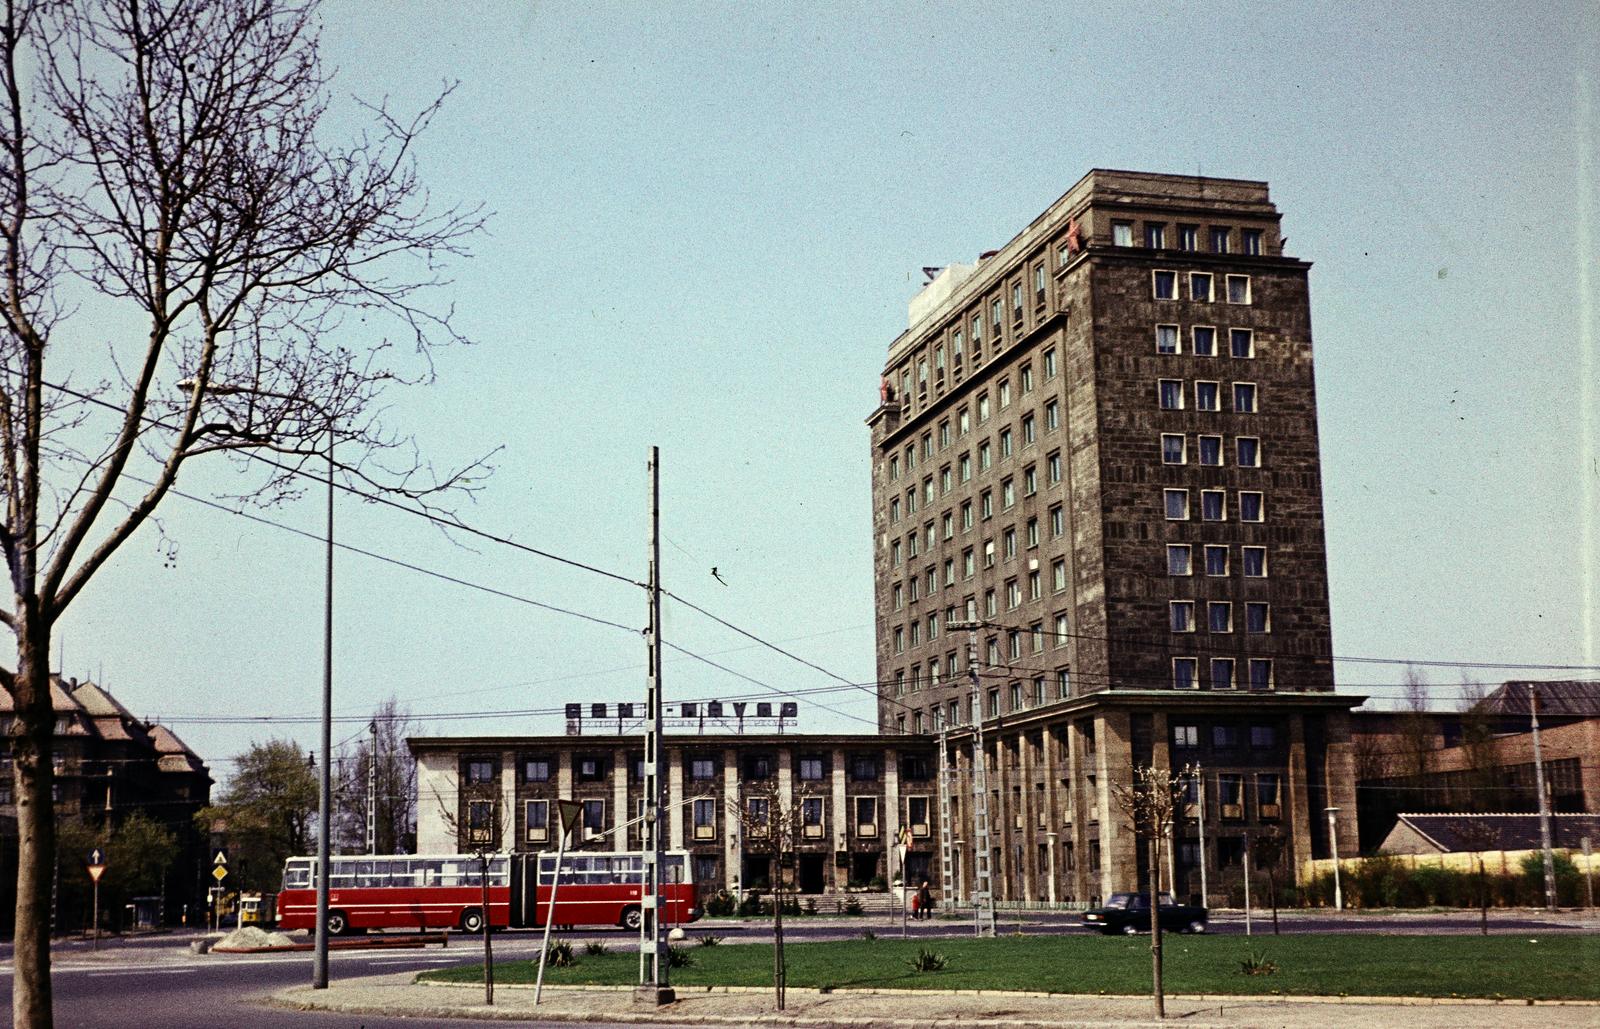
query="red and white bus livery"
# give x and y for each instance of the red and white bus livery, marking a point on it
(446, 891)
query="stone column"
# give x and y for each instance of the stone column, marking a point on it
(674, 812)
(1339, 766)
(619, 799)
(731, 814)
(840, 819)
(1114, 755)
(509, 837)
(1296, 798)
(889, 821)
(1027, 875)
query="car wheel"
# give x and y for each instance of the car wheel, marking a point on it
(632, 919)
(472, 921)
(1197, 927)
(1130, 930)
(338, 924)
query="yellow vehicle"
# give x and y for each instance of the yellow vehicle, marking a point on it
(257, 908)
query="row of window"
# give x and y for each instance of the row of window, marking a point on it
(901, 551)
(1219, 238)
(1235, 288)
(755, 767)
(1203, 341)
(1040, 690)
(1208, 450)
(1171, 395)
(1224, 737)
(961, 473)
(1219, 616)
(1214, 505)
(1215, 560)
(1223, 672)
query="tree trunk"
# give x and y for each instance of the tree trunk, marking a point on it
(36, 831)
(1272, 892)
(1483, 897)
(488, 952)
(1155, 926)
(779, 973)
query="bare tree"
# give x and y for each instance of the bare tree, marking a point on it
(1269, 848)
(393, 783)
(1480, 836)
(479, 825)
(1477, 744)
(770, 825)
(1150, 803)
(167, 188)
(1416, 727)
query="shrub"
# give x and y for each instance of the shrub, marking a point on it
(868, 935)
(720, 904)
(678, 957)
(594, 947)
(811, 905)
(878, 883)
(928, 961)
(709, 941)
(561, 955)
(1257, 964)
(852, 906)
(754, 905)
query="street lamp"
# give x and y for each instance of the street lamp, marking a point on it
(1333, 842)
(319, 967)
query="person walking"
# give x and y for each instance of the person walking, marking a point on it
(924, 901)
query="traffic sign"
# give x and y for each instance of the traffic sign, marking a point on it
(569, 812)
(220, 857)
(219, 873)
(96, 863)
(905, 836)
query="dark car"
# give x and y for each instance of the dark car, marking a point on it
(1130, 913)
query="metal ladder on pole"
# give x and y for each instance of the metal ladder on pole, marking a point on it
(947, 850)
(982, 877)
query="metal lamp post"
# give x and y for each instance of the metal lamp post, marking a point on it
(319, 967)
(1333, 842)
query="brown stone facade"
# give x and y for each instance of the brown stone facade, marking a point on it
(1100, 444)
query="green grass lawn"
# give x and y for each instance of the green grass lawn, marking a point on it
(1564, 966)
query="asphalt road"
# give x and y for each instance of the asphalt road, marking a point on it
(156, 982)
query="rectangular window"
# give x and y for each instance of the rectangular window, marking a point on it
(1052, 466)
(956, 348)
(1050, 363)
(1219, 240)
(1032, 539)
(536, 769)
(1052, 415)
(1263, 737)
(1213, 505)
(1255, 562)
(1242, 342)
(1005, 442)
(1025, 379)
(594, 817)
(945, 480)
(989, 603)
(1029, 429)
(1222, 673)
(1167, 340)
(864, 768)
(968, 563)
(988, 553)
(1180, 559)
(1216, 559)
(1238, 289)
(1181, 615)
(1058, 521)
(1035, 591)
(705, 819)
(1268, 795)
(1013, 595)
(996, 319)
(1177, 504)
(1169, 394)
(1210, 450)
(1205, 340)
(977, 336)
(1038, 283)
(479, 771)
(1063, 684)
(1165, 285)
(966, 515)
(536, 820)
(1208, 396)
(1200, 286)
(1260, 673)
(1250, 241)
(985, 456)
(1251, 507)
(1155, 236)
(1224, 737)
(1249, 450)
(1122, 234)
(1230, 795)
(703, 769)
(947, 523)
(1185, 673)
(1172, 448)
(1016, 696)
(965, 464)
(1244, 397)
(1257, 617)
(1185, 735)
(1219, 616)
(1058, 575)
(811, 769)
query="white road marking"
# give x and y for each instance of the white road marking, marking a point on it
(149, 971)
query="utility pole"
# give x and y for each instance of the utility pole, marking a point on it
(372, 790)
(1544, 802)
(947, 893)
(982, 879)
(653, 975)
(1333, 845)
(1200, 777)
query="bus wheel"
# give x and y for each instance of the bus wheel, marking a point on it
(632, 919)
(472, 921)
(338, 924)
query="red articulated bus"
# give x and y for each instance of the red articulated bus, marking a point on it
(437, 892)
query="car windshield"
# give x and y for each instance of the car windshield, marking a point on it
(1119, 900)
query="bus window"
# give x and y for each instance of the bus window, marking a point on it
(297, 875)
(449, 874)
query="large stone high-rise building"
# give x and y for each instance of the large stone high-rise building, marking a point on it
(1100, 443)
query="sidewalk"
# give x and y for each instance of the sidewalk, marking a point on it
(397, 996)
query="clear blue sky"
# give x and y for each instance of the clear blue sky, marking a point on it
(707, 221)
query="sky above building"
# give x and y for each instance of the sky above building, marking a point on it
(707, 220)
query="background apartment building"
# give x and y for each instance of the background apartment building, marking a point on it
(852, 793)
(1100, 443)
